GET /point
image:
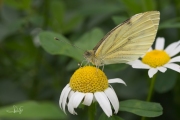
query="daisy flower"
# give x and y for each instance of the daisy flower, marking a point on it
(89, 84)
(159, 58)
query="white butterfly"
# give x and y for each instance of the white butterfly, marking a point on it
(127, 41)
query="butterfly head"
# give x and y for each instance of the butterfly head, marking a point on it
(89, 56)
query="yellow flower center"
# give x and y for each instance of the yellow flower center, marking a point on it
(156, 58)
(88, 79)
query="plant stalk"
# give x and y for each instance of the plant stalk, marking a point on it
(150, 92)
(92, 111)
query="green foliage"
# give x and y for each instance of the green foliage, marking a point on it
(64, 47)
(23, 5)
(165, 82)
(32, 110)
(119, 19)
(141, 108)
(172, 23)
(137, 6)
(56, 46)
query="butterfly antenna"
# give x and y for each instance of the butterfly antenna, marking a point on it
(69, 43)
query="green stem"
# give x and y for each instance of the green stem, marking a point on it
(150, 92)
(92, 111)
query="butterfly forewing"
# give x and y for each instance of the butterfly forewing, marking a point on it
(129, 40)
(110, 37)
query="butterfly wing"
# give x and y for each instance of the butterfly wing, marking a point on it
(129, 40)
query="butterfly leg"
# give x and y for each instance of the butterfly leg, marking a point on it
(102, 67)
(81, 64)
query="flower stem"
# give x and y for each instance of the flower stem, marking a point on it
(92, 111)
(150, 92)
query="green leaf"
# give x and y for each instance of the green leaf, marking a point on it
(32, 110)
(165, 81)
(141, 108)
(57, 47)
(90, 39)
(105, 117)
(86, 42)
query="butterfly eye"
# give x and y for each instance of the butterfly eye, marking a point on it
(87, 53)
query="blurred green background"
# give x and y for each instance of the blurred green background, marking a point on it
(35, 78)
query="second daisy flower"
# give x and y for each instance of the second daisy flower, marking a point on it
(159, 58)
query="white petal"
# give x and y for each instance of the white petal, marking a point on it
(116, 80)
(159, 43)
(170, 48)
(88, 99)
(70, 94)
(173, 66)
(113, 98)
(64, 91)
(133, 62)
(175, 51)
(152, 71)
(65, 98)
(162, 69)
(111, 87)
(175, 59)
(103, 102)
(139, 64)
(77, 99)
(70, 104)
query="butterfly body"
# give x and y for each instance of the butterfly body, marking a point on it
(127, 41)
(91, 57)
